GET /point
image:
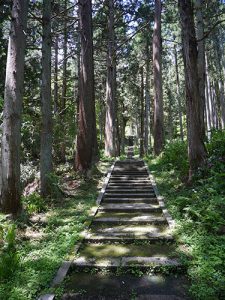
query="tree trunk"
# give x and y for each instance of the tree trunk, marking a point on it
(56, 67)
(64, 85)
(178, 94)
(157, 74)
(196, 147)
(199, 5)
(147, 101)
(13, 97)
(87, 150)
(142, 114)
(46, 105)
(110, 120)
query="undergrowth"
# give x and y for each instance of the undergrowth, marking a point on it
(199, 212)
(33, 247)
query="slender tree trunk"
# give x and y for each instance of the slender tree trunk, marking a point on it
(13, 97)
(86, 154)
(178, 94)
(199, 6)
(46, 105)
(56, 67)
(110, 120)
(157, 74)
(142, 114)
(147, 101)
(64, 86)
(196, 147)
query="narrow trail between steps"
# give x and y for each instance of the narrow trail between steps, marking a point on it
(130, 231)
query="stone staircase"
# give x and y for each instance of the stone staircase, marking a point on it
(131, 227)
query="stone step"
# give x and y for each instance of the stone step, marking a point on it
(130, 184)
(129, 190)
(134, 220)
(129, 195)
(127, 238)
(130, 200)
(135, 261)
(129, 177)
(130, 207)
(127, 181)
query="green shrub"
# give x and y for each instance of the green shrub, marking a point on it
(34, 203)
(175, 157)
(8, 256)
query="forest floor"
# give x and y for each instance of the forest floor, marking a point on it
(33, 252)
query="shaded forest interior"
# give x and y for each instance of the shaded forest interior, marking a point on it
(80, 81)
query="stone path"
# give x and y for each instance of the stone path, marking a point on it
(131, 226)
(131, 232)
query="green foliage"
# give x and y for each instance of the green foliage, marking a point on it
(41, 257)
(175, 156)
(8, 255)
(199, 211)
(34, 203)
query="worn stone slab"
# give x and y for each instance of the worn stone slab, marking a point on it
(47, 297)
(61, 274)
(130, 200)
(140, 262)
(133, 220)
(129, 208)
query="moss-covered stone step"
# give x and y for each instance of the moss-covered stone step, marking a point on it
(129, 200)
(138, 262)
(130, 184)
(144, 219)
(130, 207)
(127, 214)
(132, 229)
(102, 251)
(127, 238)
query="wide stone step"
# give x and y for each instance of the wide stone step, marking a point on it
(130, 207)
(133, 181)
(127, 238)
(130, 200)
(129, 190)
(133, 220)
(130, 184)
(136, 261)
(129, 195)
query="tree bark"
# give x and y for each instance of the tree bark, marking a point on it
(147, 101)
(64, 85)
(157, 74)
(56, 67)
(13, 97)
(178, 94)
(196, 147)
(142, 114)
(199, 5)
(46, 105)
(87, 150)
(110, 120)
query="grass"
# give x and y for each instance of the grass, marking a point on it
(199, 212)
(44, 240)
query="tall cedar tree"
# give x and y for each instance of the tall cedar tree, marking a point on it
(196, 147)
(13, 97)
(87, 149)
(110, 120)
(157, 75)
(46, 105)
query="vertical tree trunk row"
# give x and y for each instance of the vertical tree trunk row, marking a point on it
(46, 104)
(196, 148)
(87, 150)
(157, 75)
(13, 98)
(110, 120)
